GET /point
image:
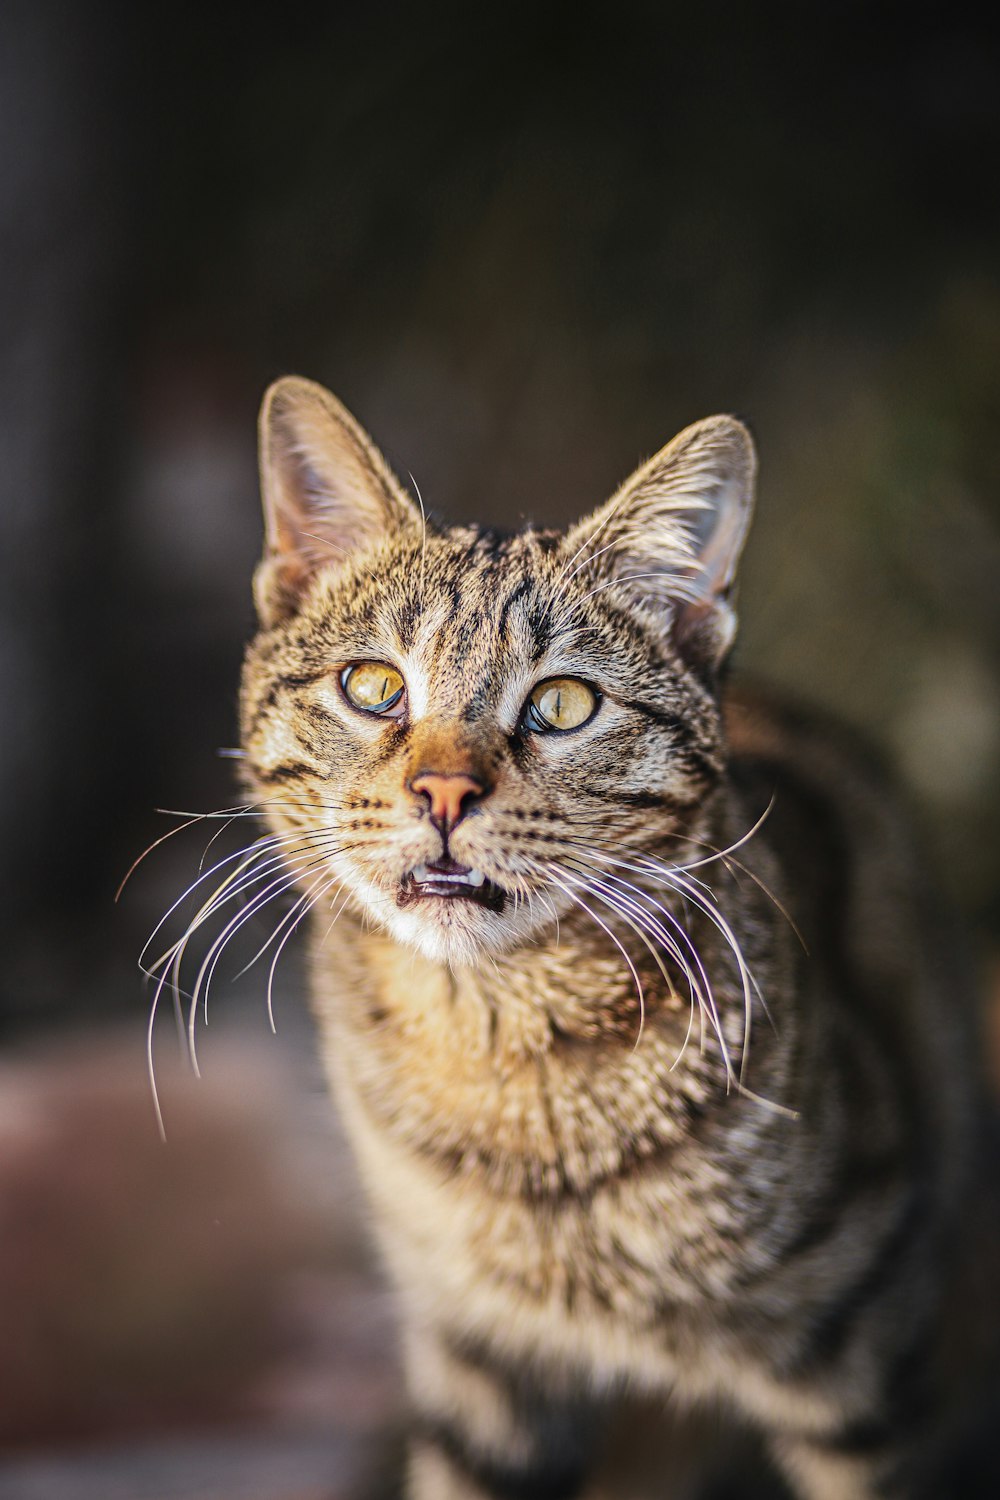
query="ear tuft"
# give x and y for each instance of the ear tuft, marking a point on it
(327, 491)
(673, 533)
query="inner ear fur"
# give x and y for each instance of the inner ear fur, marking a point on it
(326, 489)
(674, 532)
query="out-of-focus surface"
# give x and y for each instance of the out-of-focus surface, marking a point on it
(197, 1315)
(524, 257)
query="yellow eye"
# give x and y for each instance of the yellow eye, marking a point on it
(373, 686)
(560, 703)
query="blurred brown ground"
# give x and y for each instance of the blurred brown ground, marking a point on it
(200, 1318)
(195, 1316)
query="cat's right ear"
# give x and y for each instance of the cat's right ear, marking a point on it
(327, 492)
(673, 533)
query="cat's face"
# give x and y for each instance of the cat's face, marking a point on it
(459, 733)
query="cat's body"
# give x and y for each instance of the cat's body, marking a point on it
(624, 1128)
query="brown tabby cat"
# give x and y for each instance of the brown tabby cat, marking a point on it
(652, 1046)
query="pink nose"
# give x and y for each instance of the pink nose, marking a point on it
(446, 793)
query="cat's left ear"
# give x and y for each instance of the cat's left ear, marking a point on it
(327, 492)
(673, 533)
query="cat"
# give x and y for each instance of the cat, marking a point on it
(651, 1041)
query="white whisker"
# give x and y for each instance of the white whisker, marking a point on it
(698, 983)
(294, 854)
(293, 872)
(325, 541)
(578, 901)
(690, 888)
(423, 537)
(321, 888)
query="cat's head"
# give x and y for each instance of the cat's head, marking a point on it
(467, 735)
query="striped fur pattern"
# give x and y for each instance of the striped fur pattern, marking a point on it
(675, 1105)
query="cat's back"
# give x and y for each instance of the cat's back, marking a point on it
(860, 888)
(880, 953)
(859, 877)
(882, 956)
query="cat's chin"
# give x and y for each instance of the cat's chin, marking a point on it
(455, 931)
(450, 932)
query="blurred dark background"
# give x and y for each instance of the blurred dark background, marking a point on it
(524, 246)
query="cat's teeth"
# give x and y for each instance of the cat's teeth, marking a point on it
(469, 877)
(421, 872)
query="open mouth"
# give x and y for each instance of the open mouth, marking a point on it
(447, 878)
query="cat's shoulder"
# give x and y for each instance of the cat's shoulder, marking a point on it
(854, 854)
(767, 725)
(801, 754)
